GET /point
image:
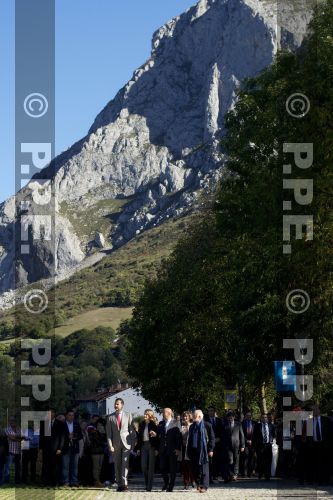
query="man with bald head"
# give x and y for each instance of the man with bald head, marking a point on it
(201, 443)
(170, 445)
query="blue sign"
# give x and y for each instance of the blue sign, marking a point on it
(285, 376)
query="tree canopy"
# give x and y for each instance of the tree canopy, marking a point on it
(217, 314)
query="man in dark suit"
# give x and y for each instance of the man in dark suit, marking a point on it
(73, 447)
(215, 463)
(248, 457)
(201, 443)
(321, 447)
(302, 445)
(170, 446)
(263, 436)
(232, 445)
(51, 442)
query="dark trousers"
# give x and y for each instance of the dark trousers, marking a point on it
(29, 457)
(85, 470)
(320, 462)
(287, 463)
(303, 463)
(2, 467)
(264, 460)
(168, 468)
(16, 460)
(70, 466)
(231, 463)
(51, 467)
(108, 470)
(187, 472)
(148, 459)
(215, 464)
(200, 472)
(248, 461)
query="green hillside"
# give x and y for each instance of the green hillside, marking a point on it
(115, 281)
(103, 316)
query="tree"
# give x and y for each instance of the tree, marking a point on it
(173, 350)
(250, 206)
(217, 312)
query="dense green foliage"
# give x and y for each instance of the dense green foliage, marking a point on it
(217, 313)
(7, 401)
(83, 361)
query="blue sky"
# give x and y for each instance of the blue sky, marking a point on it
(98, 46)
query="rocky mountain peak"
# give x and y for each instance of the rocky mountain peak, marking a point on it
(155, 145)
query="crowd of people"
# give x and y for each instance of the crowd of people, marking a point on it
(203, 448)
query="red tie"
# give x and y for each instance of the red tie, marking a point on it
(119, 421)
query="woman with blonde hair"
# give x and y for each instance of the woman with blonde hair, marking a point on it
(147, 447)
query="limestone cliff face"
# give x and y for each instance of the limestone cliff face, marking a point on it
(155, 145)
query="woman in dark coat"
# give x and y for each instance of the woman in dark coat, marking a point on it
(147, 447)
(186, 462)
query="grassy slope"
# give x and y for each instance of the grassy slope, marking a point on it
(104, 316)
(114, 281)
(97, 217)
(123, 271)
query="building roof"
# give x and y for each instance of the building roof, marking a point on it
(103, 394)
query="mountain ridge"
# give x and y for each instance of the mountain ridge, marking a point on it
(155, 146)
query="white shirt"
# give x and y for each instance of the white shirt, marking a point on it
(70, 426)
(315, 437)
(145, 434)
(167, 422)
(267, 432)
(50, 425)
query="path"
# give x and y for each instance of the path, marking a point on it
(242, 490)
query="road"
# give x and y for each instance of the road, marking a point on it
(242, 490)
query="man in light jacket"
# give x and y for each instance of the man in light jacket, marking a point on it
(120, 436)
